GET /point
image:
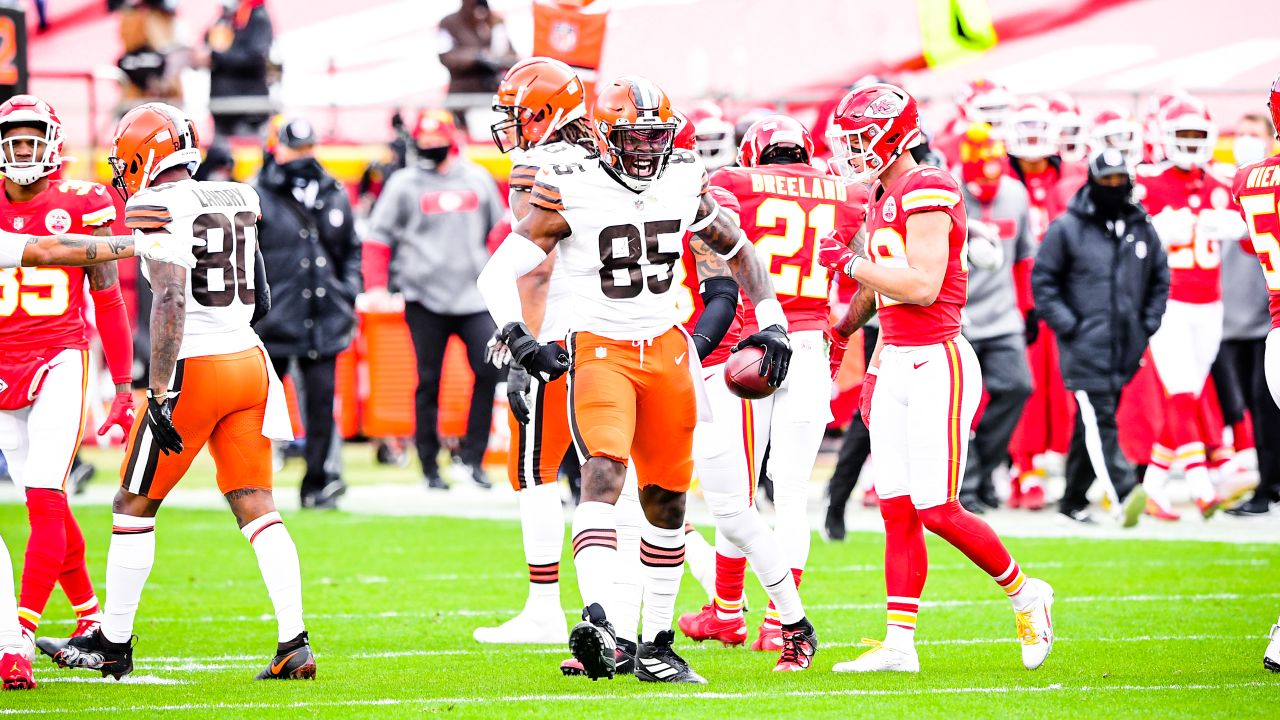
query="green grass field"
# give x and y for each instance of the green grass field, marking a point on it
(1154, 629)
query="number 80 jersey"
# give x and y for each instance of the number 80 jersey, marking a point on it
(623, 246)
(220, 290)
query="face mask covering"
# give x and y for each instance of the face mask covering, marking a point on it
(303, 170)
(430, 158)
(1110, 201)
(1248, 149)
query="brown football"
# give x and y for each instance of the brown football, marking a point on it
(742, 374)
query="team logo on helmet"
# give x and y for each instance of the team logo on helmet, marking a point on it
(888, 105)
(890, 210)
(58, 220)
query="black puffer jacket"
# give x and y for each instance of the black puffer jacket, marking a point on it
(1103, 294)
(312, 257)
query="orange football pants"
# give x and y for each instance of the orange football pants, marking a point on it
(538, 447)
(221, 402)
(635, 399)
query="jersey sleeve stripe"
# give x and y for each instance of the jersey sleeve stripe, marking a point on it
(545, 202)
(929, 197)
(99, 217)
(146, 217)
(547, 190)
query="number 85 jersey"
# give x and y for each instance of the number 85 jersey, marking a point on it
(623, 246)
(220, 290)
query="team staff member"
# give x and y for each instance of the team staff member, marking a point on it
(427, 242)
(312, 258)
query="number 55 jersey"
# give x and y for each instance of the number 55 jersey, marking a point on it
(220, 289)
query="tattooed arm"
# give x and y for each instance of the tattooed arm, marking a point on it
(168, 318)
(722, 236)
(75, 249)
(860, 310)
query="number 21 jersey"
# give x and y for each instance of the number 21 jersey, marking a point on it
(220, 290)
(619, 260)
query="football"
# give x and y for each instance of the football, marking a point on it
(742, 374)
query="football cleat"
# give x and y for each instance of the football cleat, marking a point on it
(769, 639)
(594, 644)
(1159, 512)
(1035, 625)
(571, 668)
(882, 658)
(87, 624)
(707, 625)
(530, 627)
(1033, 498)
(293, 661)
(1208, 507)
(798, 648)
(15, 672)
(1271, 658)
(625, 663)
(1016, 499)
(91, 652)
(656, 661)
(1132, 507)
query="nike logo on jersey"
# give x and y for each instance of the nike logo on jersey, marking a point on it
(680, 357)
(919, 364)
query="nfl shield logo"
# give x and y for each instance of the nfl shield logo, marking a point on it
(890, 210)
(564, 36)
(18, 222)
(639, 204)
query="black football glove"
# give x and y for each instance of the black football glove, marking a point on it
(160, 421)
(544, 361)
(517, 393)
(777, 352)
(1031, 330)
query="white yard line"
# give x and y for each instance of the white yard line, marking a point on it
(658, 695)
(128, 680)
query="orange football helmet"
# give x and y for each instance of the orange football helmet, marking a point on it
(638, 129)
(538, 96)
(150, 139)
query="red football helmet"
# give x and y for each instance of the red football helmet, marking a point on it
(1070, 127)
(1031, 131)
(686, 139)
(770, 131)
(1273, 104)
(983, 100)
(713, 134)
(1188, 133)
(638, 128)
(871, 128)
(29, 111)
(1117, 129)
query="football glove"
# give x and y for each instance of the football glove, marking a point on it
(496, 352)
(1031, 331)
(864, 400)
(835, 255)
(985, 252)
(121, 414)
(1175, 228)
(545, 361)
(518, 393)
(776, 345)
(837, 344)
(160, 421)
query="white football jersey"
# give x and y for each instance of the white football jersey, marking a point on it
(220, 290)
(525, 165)
(619, 260)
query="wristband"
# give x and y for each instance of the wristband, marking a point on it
(769, 312)
(872, 370)
(742, 241)
(853, 265)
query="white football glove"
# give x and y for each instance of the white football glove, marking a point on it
(1174, 227)
(166, 248)
(1221, 225)
(985, 251)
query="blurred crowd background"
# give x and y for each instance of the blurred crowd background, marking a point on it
(366, 130)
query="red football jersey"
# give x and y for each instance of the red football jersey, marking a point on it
(1048, 192)
(921, 189)
(1194, 267)
(690, 301)
(1257, 191)
(786, 209)
(43, 307)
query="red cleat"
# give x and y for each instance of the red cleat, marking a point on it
(1208, 508)
(1015, 495)
(769, 639)
(798, 648)
(1033, 498)
(86, 625)
(15, 672)
(706, 625)
(1156, 511)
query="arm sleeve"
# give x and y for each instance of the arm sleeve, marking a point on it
(11, 247)
(1047, 277)
(1153, 305)
(113, 329)
(261, 289)
(720, 307)
(515, 257)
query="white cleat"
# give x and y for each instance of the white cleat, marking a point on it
(1035, 625)
(1271, 658)
(882, 658)
(542, 627)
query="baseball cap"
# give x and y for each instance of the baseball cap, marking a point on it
(1107, 162)
(296, 133)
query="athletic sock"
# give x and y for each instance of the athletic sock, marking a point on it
(46, 551)
(774, 616)
(278, 562)
(700, 557)
(542, 529)
(662, 558)
(10, 630)
(628, 576)
(595, 550)
(1197, 471)
(129, 561)
(1155, 480)
(906, 567)
(74, 579)
(730, 576)
(1014, 584)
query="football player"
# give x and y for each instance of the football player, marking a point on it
(1256, 189)
(1118, 129)
(44, 362)
(1070, 129)
(618, 224)
(787, 205)
(1192, 212)
(713, 135)
(913, 269)
(210, 383)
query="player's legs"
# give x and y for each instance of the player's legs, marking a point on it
(537, 447)
(15, 665)
(53, 428)
(1183, 363)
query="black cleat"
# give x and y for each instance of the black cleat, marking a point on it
(626, 657)
(1253, 507)
(833, 529)
(293, 661)
(91, 652)
(594, 644)
(799, 645)
(657, 662)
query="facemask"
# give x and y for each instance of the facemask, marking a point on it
(1248, 149)
(1111, 202)
(430, 158)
